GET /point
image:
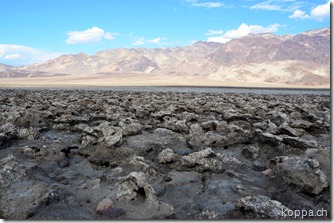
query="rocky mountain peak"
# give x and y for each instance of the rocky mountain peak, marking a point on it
(325, 32)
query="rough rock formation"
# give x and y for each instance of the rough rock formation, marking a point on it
(306, 174)
(259, 207)
(101, 154)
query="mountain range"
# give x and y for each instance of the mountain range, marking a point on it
(302, 59)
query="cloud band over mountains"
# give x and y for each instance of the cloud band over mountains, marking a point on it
(242, 30)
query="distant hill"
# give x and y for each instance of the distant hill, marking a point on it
(302, 59)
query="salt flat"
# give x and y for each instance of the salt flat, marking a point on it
(100, 80)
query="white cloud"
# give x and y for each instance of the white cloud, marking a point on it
(299, 14)
(12, 56)
(196, 3)
(318, 13)
(278, 5)
(140, 41)
(92, 35)
(23, 55)
(110, 36)
(243, 30)
(321, 11)
(208, 4)
(214, 32)
(219, 39)
(267, 6)
(157, 40)
(192, 42)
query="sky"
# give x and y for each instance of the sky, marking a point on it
(33, 31)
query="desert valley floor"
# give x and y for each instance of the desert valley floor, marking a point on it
(163, 153)
(106, 80)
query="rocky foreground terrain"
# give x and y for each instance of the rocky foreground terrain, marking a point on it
(74, 154)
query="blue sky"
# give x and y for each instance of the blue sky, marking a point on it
(36, 30)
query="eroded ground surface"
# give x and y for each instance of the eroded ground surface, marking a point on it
(75, 154)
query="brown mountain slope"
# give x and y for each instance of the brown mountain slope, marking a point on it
(262, 48)
(302, 59)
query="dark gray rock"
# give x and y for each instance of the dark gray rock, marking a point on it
(104, 133)
(299, 142)
(304, 173)
(113, 212)
(294, 132)
(21, 190)
(260, 207)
